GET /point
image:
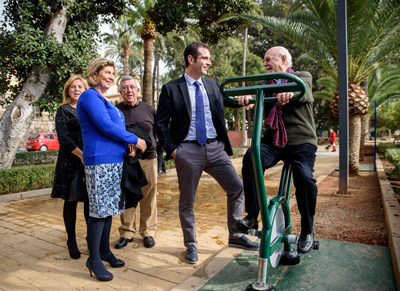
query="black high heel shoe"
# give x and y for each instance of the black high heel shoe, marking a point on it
(74, 253)
(113, 261)
(104, 277)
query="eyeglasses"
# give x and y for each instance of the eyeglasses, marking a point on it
(268, 59)
(125, 88)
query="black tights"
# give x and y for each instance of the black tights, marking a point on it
(98, 238)
(69, 214)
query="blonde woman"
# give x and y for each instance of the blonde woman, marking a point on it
(69, 159)
(106, 143)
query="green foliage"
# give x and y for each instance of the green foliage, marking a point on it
(26, 178)
(373, 33)
(393, 156)
(170, 164)
(23, 44)
(384, 146)
(383, 86)
(177, 15)
(388, 115)
(35, 157)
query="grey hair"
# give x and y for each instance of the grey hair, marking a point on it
(283, 51)
(127, 77)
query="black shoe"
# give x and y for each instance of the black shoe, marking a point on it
(122, 242)
(74, 253)
(102, 275)
(112, 260)
(244, 243)
(191, 254)
(247, 223)
(306, 243)
(333, 151)
(149, 242)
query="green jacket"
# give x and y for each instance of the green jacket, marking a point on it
(297, 116)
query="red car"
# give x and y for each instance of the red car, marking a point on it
(42, 142)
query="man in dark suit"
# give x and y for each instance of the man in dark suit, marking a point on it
(191, 127)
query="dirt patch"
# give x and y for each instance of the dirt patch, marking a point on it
(357, 217)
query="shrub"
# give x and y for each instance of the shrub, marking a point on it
(26, 178)
(35, 158)
(384, 146)
(393, 156)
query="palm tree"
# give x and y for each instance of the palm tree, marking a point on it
(119, 43)
(384, 85)
(373, 42)
(148, 33)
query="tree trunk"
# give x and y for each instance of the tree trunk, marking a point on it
(153, 83)
(147, 80)
(158, 80)
(364, 125)
(244, 137)
(237, 119)
(141, 74)
(354, 144)
(18, 117)
(127, 53)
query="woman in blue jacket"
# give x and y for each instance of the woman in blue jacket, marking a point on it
(105, 144)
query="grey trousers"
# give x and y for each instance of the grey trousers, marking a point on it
(191, 160)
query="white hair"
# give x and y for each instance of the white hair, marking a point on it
(283, 51)
(127, 77)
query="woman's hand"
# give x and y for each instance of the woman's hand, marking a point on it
(132, 150)
(141, 145)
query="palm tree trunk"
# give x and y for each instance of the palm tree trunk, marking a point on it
(153, 83)
(364, 125)
(147, 80)
(354, 144)
(158, 80)
(127, 52)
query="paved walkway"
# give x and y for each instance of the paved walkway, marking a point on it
(35, 256)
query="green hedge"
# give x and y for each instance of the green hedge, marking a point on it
(392, 154)
(384, 146)
(26, 178)
(35, 158)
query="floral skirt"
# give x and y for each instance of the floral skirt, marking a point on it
(103, 183)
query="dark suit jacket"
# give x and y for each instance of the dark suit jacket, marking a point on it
(174, 114)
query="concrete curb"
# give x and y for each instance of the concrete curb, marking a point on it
(392, 215)
(22, 195)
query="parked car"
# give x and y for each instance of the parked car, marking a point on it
(42, 142)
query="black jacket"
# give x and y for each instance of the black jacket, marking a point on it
(174, 114)
(133, 178)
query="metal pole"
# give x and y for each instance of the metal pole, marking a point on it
(343, 97)
(375, 136)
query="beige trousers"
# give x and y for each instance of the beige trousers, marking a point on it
(148, 205)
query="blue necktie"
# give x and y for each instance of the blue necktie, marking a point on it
(201, 132)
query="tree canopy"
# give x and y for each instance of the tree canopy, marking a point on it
(24, 45)
(178, 15)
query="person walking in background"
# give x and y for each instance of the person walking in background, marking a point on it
(160, 159)
(106, 143)
(69, 159)
(332, 140)
(142, 115)
(191, 127)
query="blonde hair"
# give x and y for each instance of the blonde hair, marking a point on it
(96, 66)
(66, 98)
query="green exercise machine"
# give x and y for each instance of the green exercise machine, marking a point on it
(276, 238)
